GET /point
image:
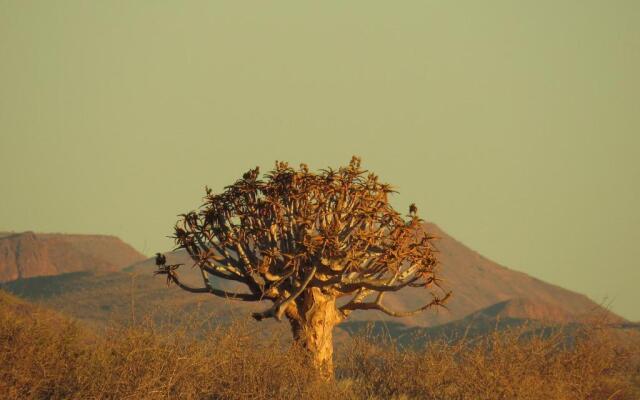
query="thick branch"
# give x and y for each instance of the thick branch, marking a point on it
(348, 285)
(218, 273)
(172, 276)
(279, 308)
(375, 285)
(359, 296)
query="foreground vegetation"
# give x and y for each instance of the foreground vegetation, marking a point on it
(46, 356)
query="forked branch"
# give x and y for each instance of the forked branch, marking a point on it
(279, 308)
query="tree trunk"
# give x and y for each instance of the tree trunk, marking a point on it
(313, 329)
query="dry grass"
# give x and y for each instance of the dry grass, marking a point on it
(46, 356)
(586, 364)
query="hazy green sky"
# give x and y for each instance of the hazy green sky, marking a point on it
(513, 125)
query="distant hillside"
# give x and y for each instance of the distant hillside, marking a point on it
(99, 297)
(28, 254)
(478, 282)
(524, 308)
(13, 308)
(521, 314)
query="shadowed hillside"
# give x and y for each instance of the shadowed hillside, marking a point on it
(530, 317)
(99, 297)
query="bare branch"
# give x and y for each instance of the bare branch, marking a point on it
(380, 307)
(213, 270)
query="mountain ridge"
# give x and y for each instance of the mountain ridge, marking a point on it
(477, 284)
(475, 281)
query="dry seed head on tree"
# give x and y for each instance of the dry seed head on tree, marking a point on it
(295, 230)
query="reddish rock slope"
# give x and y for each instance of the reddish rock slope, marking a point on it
(28, 254)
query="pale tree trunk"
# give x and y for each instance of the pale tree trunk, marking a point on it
(313, 329)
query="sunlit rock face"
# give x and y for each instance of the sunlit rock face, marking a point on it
(28, 254)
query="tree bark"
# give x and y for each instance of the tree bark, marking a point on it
(313, 329)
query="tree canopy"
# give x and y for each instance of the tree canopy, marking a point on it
(295, 236)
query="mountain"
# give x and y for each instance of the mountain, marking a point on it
(29, 254)
(478, 283)
(480, 287)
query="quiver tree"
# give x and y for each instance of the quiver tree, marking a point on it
(317, 245)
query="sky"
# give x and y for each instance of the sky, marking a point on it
(513, 125)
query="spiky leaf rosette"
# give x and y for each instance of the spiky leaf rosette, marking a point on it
(294, 230)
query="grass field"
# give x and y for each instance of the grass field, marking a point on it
(44, 355)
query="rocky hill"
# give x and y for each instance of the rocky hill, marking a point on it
(29, 254)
